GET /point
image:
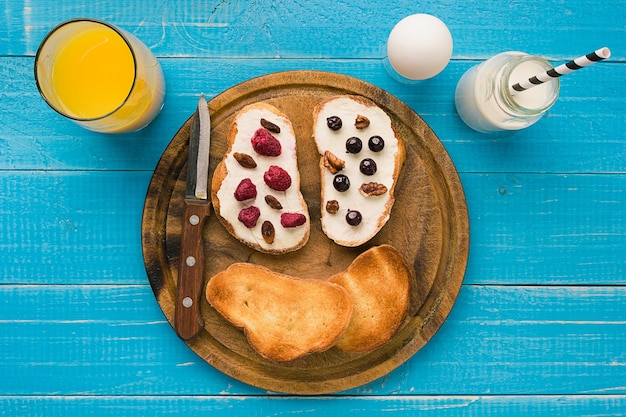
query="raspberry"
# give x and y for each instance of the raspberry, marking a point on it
(277, 178)
(265, 143)
(249, 215)
(292, 219)
(245, 190)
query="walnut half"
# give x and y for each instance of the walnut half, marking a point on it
(373, 188)
(333, 163)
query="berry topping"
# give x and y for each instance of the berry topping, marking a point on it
(368, 166)
(354, 145)
(292, 219)
(245, 190)
(333, 123)
(264, 143)
(353, 217)
(277, 178)
(341, 182)
(249, 215)
(376, 144)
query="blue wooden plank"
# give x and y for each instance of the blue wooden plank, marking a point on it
(84, 227)
(582, 133)
(320, 29)
(218, 406)
(498, 340)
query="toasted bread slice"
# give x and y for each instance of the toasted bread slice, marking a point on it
(358, 179)
(378, 282)
(256, 187)
(283, 317)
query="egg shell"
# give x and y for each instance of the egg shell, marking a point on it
(419, 46)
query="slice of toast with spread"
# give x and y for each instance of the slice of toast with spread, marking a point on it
(256, 187)
(361, 158)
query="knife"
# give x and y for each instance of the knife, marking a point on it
(187, 316)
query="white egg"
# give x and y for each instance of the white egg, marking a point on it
(419, 46)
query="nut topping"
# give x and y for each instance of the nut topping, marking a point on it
(333, 163)
(244, 160)
(273, 202)
(270, 126)
(361, 122)
(268, 232)
(373, 188)
(332, 206)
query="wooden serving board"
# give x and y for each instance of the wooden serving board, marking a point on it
(428, 224)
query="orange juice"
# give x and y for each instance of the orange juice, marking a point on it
(99, 76)
(93, 73)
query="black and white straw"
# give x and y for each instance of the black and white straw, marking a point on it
(578, 63)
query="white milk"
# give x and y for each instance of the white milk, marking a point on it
(485, 103)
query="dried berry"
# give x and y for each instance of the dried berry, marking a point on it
(332, 206)
(245, 190)
(341, 182)
(244, 160)
(270, 126)
(292, 219)
(334, 123)
(368, 166)
(376, 144)
(361, 122)
(268, 232)
(264, 143)
(249, 215)
(273, 202)
(354, 145)
(353, 217)
(277, 178)
(333, 163)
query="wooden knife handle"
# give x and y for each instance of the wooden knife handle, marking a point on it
(187, 315)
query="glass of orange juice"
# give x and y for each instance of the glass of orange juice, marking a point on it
(100, 76)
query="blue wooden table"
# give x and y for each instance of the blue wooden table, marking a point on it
(539, 326)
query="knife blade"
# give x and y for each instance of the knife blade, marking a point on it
(188, 320)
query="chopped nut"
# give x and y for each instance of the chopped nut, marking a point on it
(273, 202)
(361, 122)
(373, 188)
(244, 160)
(268, 232)
(333, 163)
(270, 126)
(332, 206)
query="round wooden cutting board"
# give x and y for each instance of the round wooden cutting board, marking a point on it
(428, 225)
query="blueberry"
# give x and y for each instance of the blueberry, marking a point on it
(333, 123)
(341, 182)
(354, 145)
(376, 144)
(368, 166)
(353, 218)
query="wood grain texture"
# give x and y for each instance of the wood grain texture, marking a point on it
(75, 340)
(250, 28)
(510, 405)
(429, 202)
(581, 134)
(538, 327)
(527, 228)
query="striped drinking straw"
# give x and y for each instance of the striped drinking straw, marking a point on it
(578, 63)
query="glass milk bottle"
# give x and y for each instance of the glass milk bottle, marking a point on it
(484, 99)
